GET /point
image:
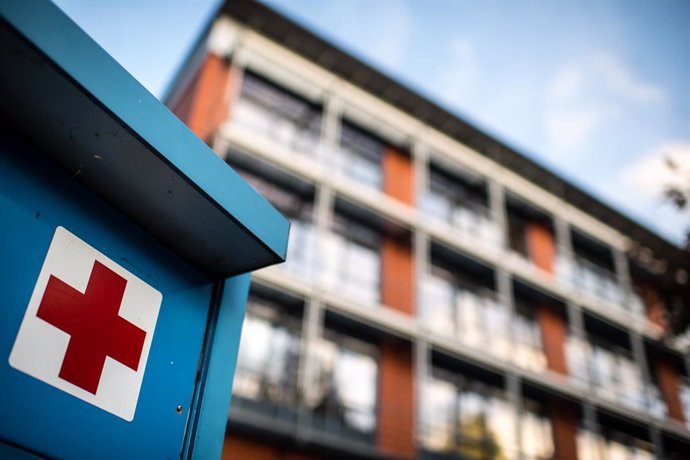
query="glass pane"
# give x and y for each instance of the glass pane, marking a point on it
(437, 305)
(345, 396)
(469, 310)
(362, 154)
(439, 415)
(277, 114)
(355, 381)
(500, 427)
(268, 358)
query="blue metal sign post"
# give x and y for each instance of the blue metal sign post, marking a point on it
(125, 252)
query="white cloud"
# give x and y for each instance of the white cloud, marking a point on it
(458, 76)
(649, 175)
(639, 187)
(620, 80)
(584, 96)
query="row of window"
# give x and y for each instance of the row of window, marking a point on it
(346, 259)
(461, 416)
(460, 202)
(476, 421)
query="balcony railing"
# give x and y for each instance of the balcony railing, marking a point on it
(585, 276)
(261, 120)
(477, 320)
(470, 218)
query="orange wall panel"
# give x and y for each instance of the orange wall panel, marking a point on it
(564, 422)
(236, 448)
(398, 175)
(655, 308)
(398, 274)
(554, 332)
(205, 103)
(669, 385)
(396, 396)
(541, 245)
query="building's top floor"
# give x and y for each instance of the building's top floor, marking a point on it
(328, 76)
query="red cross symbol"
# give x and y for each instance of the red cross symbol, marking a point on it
(96, 330)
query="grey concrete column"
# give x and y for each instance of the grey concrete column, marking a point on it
(330, 126)
(637, 345)
(497, 204)
(420, 158)
(422, 357)
(657, 440)
(622, 269)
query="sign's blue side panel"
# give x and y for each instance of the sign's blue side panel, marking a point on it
(35, 198)
(220, 360)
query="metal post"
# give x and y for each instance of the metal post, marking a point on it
(576, 326)
(640, 357)
(514, 393)
(312, 330)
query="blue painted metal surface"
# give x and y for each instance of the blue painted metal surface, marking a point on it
(36, 197)
(84, 146)
(213, 396)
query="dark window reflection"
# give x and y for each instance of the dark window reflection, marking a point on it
(462, 205)
(535, 432)
(466, 419)
(350, 260)
(612, 445)
(359, 156)
(278, 114)
(268, 358)
(344, 397)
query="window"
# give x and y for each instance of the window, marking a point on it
(592, 270)
(615, 445)
(277, 114)
(656, 405)
(528, 350)
(589, 445)
(301, 256)
(612, 445)
(615, 375)
(577, 356)
(345, 396)
(359, 156)
(350, 260)
(468, 418)
(597, 280)
(454, 306)
(268, 359)
(460, 204)
(535, 432)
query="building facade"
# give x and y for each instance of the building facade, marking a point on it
(444, 297)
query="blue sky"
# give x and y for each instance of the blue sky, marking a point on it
(598, 91)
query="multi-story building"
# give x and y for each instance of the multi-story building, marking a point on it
(444, 297)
